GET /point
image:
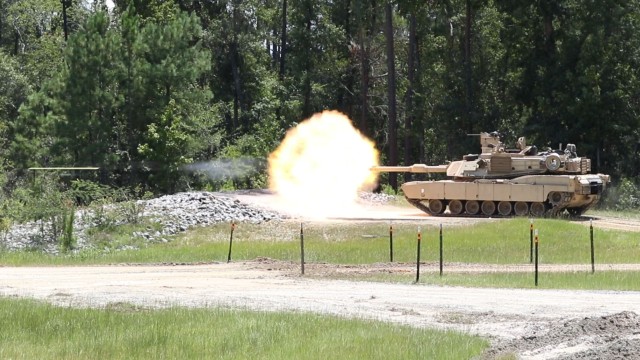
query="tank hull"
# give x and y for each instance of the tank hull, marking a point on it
(530, 195)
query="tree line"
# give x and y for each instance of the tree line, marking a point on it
(147, 87)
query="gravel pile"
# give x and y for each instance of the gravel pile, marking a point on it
(175, 213)
(181, 211)
(375, 198)
(609, 337)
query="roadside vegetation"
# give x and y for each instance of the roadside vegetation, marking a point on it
(123, 331)
(501, 242)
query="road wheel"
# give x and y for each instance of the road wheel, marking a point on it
(578, 211)
(504, 208)
(455, 207)
(555, 198)
(521, 208)
(472, 207)
(436, 206)
(488, 208)
(538, 209)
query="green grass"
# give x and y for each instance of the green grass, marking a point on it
(499, 242)
(628, 214)
(33, 330)
(600, 280)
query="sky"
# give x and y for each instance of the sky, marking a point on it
(108, 2)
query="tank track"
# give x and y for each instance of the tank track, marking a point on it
(555, 210)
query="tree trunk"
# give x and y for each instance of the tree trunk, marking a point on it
(1, 23)
(364, 83)
(391, 96)
(410, 111)
(235, 70)
(275, 51)
(65, 4)
(283, 39)
(468, 85)
(306, 87)
(236, 84)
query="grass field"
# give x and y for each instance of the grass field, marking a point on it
(123, 331)
(600, 280)
(33, 330)
(499, 242)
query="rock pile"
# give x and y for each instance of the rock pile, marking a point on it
(175, 213)
(375, 198)
(181, 211)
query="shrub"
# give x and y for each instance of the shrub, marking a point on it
(623, 196)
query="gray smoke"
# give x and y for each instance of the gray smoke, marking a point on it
(224, 169)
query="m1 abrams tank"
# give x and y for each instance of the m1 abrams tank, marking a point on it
(507, 182)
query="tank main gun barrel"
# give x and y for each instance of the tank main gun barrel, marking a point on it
(415, 168)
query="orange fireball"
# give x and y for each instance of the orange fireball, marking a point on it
(321, 164)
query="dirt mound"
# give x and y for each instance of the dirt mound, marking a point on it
(608, 337)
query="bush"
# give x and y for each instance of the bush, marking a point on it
(67, 240)
(623, 196)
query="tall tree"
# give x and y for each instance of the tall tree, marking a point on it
(410, 94)
(89, 93)
(14, 90)
(392, 129)
(283, 41)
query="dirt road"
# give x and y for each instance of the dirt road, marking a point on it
(505, 315)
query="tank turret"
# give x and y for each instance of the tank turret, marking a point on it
(502, 181)
(499, 162)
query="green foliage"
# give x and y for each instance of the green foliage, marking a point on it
(5, 225)
(623, 196)
(44, 201)
(386, 189)
(166, 144)
(155, 85)
(128, 100)
(67, 240)
(87, 192)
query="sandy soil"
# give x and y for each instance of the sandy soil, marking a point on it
(534, 324)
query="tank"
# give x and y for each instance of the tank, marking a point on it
(503, 182)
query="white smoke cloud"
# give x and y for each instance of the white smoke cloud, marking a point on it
(224, 169)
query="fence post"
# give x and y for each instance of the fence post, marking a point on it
(593, 260)
(530, 241)
(390, 242)
(441, 258)
(536, 244)
(418, 256)
(233, 227)
(302, 248)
